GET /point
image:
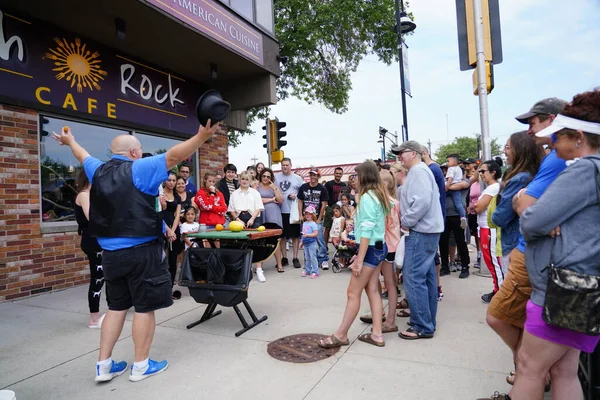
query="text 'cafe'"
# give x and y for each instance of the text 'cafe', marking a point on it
(70, 63)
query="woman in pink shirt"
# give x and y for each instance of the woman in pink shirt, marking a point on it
(474, 193)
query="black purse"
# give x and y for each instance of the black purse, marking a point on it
(573, 299)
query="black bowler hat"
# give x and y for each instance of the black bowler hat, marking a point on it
(212, 106)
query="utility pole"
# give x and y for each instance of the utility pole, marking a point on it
(482, 80)
(429, 146)
(254, 160)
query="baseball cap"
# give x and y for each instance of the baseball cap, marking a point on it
(469, 160)
(409, 145)
(310, 209)
(314, 171)
(551, 105)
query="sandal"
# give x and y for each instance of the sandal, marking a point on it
(402, 304)
(366, 337)
(368, 319)
(418, 335)
(280, 270)
(404, 313)
(333, 343)
(388, 329)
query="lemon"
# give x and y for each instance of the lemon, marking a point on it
(261, 228)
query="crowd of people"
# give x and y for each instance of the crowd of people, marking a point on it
(533, 224)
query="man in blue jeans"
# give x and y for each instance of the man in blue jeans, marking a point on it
(422, 217)
(130, 233)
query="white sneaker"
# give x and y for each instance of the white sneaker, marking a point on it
(325, 265)
(260, 275)
(463, 223)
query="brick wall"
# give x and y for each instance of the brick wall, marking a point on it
(214, 155)
(32, 262)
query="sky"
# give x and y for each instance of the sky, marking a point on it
(550, 48)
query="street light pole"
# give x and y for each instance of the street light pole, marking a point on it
(399, 14)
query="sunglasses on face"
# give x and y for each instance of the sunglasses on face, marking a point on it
(267, 176)
(184, 172)
(483, 171)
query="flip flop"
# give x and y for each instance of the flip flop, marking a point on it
(280, 270)
(366, 337)
(388, 329)
(419, 335)
(335, 342)
(368, 319)
(402, 304)
(403, 313)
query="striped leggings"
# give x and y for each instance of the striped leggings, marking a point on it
(487, 237)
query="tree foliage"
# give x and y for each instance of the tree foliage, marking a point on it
(324, 41)
(465, 147)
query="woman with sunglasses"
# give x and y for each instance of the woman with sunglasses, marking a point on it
(489, 172)
(272, 199)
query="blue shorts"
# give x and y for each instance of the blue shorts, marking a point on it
(374, 257)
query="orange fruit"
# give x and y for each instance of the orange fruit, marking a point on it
(65, 129)
(219, 227)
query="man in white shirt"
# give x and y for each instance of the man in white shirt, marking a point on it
(289, 183)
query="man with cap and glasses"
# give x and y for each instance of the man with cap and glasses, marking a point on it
(421, 215)
(314, 194)
(506, 312)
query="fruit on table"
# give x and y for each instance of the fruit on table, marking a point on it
(261, 228)
(219, 227)
(236, 226)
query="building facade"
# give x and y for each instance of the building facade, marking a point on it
(104, 69)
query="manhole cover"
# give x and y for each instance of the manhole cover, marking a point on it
(302, 348)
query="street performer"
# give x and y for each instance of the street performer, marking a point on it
(129, 230)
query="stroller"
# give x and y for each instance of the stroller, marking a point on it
(342, 256)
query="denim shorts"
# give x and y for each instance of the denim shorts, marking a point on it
(374, 257)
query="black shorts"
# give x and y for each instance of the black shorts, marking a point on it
(472, 218)
(390, 257)
(137, 276)
(290, 230)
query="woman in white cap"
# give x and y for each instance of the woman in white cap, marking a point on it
(563, 249)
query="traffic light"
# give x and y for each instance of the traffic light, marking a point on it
(274, 141)
(43, 122)
(267, 135)
(489, 78)
(279, 133)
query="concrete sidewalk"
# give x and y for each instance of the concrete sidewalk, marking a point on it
(47, 351)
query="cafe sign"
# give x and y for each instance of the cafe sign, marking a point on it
(45, 66)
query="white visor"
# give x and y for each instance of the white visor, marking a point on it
(562, 122)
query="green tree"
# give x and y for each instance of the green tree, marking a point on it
(389, 156)
(324, 41)
(465, 147)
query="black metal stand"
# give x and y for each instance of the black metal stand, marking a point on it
(210, 313)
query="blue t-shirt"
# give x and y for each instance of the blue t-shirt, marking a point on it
(148, 173)
(551, 167)
(309, 227)
(441, 183)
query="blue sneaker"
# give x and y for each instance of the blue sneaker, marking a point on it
(154, 368)
(105, 374)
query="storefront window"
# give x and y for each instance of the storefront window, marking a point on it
(243, 7)
(264, 14)
(59, 168)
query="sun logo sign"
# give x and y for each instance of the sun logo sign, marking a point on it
(77, 64)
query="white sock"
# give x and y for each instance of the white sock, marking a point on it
(141, 366)
(105, 363)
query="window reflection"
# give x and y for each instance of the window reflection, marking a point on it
(59, 168)
(264, 14)
(243, 7)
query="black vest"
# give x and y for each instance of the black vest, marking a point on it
(117, 207)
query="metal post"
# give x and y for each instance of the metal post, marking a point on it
(399, 6)
(383, 144)
(482, 81)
